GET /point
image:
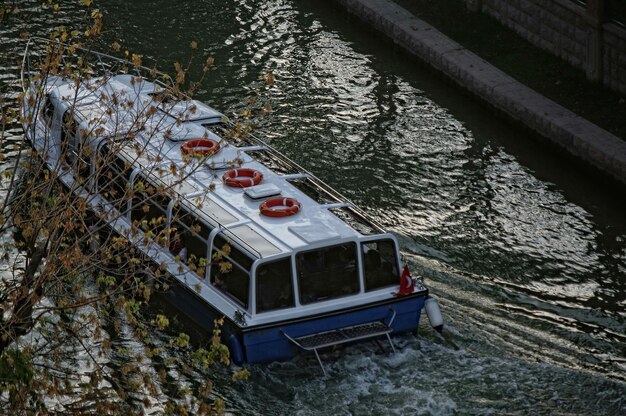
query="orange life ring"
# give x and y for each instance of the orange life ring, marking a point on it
(280, 207)
(200, 147)
(242, 177)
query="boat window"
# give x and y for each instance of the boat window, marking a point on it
(188, 239)
(68, 130)
(68, 133)
(48, 112)
(230, 270)
(113, 175)
(274, 286)
(243, 260)
(327, 273)
(74, 153)
(149, 209)
(379, 264)
(82, 156)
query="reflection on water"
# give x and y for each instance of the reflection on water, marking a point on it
(526, 254)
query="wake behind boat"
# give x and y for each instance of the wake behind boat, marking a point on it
(244, 232)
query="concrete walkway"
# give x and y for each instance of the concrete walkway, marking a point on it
(571, 132)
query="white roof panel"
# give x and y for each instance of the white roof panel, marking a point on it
(254, 240)
(313, 233)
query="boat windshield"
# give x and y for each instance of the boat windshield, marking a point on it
(379, 264)
(327, 273)
(274, 286)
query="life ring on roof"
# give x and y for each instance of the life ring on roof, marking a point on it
(279, 207)
(200, 147)
(242, 177)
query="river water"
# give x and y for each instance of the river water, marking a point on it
(525, 251)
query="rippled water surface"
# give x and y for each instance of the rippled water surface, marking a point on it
(525, 251)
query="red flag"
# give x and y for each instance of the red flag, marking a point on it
(406, 283)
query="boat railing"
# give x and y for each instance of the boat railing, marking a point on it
(103, 60)
(317, 183)
(224, 228)
(104, 63)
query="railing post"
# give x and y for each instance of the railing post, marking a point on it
(595, 17)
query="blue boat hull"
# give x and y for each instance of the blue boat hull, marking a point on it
(268, 343)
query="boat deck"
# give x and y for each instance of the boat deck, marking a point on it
(353, 333)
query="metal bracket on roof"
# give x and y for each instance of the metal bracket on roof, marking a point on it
(301, 175)
(196, 194)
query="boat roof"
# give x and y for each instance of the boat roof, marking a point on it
(159, 128)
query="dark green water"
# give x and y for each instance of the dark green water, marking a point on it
(526, 252)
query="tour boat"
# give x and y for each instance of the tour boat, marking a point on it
(245, 233)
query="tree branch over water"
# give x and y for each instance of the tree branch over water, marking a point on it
(69, 285)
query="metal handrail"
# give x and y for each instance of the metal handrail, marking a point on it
(261, 145)
(33, 39)
(346, 338)
(319, 184)
(393, 317)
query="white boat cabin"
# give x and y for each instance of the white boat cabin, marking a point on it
(121, 141)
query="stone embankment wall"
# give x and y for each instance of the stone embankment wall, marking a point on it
(574, 134)
(579, 32)
(614, 57)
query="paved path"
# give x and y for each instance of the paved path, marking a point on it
(571, 132)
